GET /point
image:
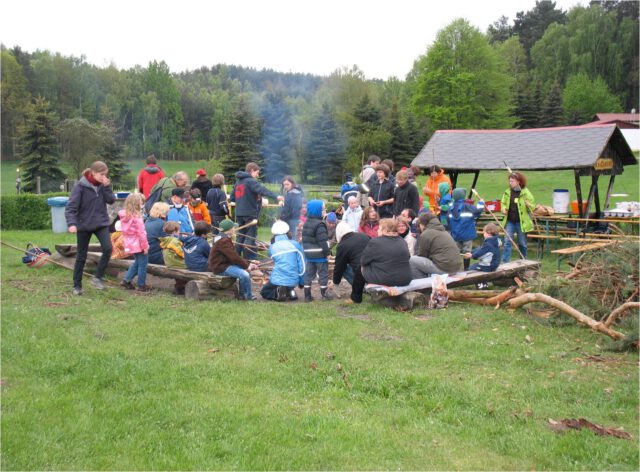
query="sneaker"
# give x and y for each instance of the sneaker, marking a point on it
(143, 288)
(482, 285)
(127, 284)
(281, 294)
(98, 283)
(293, 296)
(77, 291)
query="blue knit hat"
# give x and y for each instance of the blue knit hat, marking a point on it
(459, 194)
(332, 218)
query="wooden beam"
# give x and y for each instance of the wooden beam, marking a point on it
(578, 193)
(592, 192)
(609, 190)
(475, 181)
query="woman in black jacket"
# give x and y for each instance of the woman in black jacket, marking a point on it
(381, 192)
(86, 215)
(385, 260)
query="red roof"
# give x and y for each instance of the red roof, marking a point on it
(629, 117)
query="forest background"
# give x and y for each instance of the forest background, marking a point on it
(545, 68)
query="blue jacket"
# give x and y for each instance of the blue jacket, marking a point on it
(292, 205)
(196, 253)
(289, 262)
(87, 206)
(153, 227)
(248, 193)
(462, 221)
(489, 254)
(348, 189)
(217, 202)
(183, 216)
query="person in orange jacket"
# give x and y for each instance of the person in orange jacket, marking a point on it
(436, 177)
(198, 209)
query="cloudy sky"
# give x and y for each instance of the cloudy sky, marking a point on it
(382, 37)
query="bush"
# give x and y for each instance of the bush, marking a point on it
(26, 211)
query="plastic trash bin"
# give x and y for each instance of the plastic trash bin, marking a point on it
(58, 220)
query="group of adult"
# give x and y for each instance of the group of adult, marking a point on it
(381, 260)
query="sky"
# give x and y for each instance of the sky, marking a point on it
(382, 37)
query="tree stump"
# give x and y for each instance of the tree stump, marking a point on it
(201, 290)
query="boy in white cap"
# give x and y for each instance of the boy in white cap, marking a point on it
(289, 265)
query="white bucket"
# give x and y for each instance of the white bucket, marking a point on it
(561, 200)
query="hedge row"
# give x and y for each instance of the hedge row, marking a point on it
(26, 211)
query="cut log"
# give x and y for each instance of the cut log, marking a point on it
(578, 316)
(464, 294)
(406, 301)
(201, 290)
(70, 250)
(214, 281)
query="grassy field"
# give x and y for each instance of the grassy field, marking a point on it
(118, 381)
(490, 185)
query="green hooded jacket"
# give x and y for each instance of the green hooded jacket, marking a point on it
(525, 204)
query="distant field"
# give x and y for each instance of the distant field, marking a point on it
(490, 184)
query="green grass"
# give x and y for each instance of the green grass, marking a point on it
(113, 380)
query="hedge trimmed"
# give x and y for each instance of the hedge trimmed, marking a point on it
(26, 211)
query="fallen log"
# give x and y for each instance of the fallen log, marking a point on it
(201, 290)
(613, 316)
(578, 316)
(461, 295)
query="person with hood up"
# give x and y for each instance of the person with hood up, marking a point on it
(289, 266)
(149, 176)
(223, 260)
(348, 257)
(86, 215)
(315, 241)
(293, 198)
(405, 194)
(202, 182)
(196, 248)
(436, 177)
(462, 222)
(385, 259)
(437, 251)
(444, 202)
(247, 195)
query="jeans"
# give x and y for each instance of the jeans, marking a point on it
(513, 230)
(139, 268)
(247, 236)
(348, 274)
(243, 277)
(82, 239)
(322, 268)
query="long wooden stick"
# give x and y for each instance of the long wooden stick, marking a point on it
(578, 316)
(499, 224)
(618, 311)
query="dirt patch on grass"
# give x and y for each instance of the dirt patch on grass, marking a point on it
(22, 285)
(343, 312)
(381, 337)
(425, 317)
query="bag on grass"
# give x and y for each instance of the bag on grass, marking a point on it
(439, 294)
(36, 257)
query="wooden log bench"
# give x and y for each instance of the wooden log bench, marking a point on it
(579, 249)
(505, 274)
(200, 285)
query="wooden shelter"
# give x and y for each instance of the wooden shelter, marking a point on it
(593, 150)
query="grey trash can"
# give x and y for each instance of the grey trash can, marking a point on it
(58, 220)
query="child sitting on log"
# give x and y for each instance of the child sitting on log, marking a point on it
(223, 260)
(196, 248)
(172, 252)
(489, 253)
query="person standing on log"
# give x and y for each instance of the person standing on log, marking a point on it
(149, 176)
(247, 195)
(86, 215)
(517, 201)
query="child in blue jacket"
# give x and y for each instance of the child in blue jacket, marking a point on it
(462, 222)
(489, 253)
(196, 248)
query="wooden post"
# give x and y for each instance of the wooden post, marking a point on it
(475, 181)
(609, 190)
(592, 193)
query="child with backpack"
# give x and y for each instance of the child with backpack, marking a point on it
(315, 241)
(462, 222)
(135, 242)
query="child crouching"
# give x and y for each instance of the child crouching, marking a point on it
(289, 267)
(223, 259)
(489, 253)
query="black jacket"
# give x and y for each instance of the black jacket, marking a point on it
(204, 185)
(382, 191)
(217, 202)
(153, 227)
(406, 197)
(87, 206)
(292, 205)
(315, 239)
(385, 261)
(349, 253)
(248, 193)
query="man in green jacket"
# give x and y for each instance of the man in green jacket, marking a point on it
(437, 251)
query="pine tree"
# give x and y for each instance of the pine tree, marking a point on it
(325, 149)
(552, 112)
(40, 150)
(277, 147)
(398, 148)
(112, 155)
(366, 114)
(242, 141)
(526, 110)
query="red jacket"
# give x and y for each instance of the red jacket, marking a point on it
(148, 177)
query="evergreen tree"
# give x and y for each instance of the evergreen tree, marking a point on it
(552, 113)
(398, 147)
(112, 155)
(277, 147)
(366, 115)
(40, 150)
(242, 139)
(530, 26)
(526, 110)
(324, 150)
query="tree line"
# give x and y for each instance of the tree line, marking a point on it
(545, 68)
